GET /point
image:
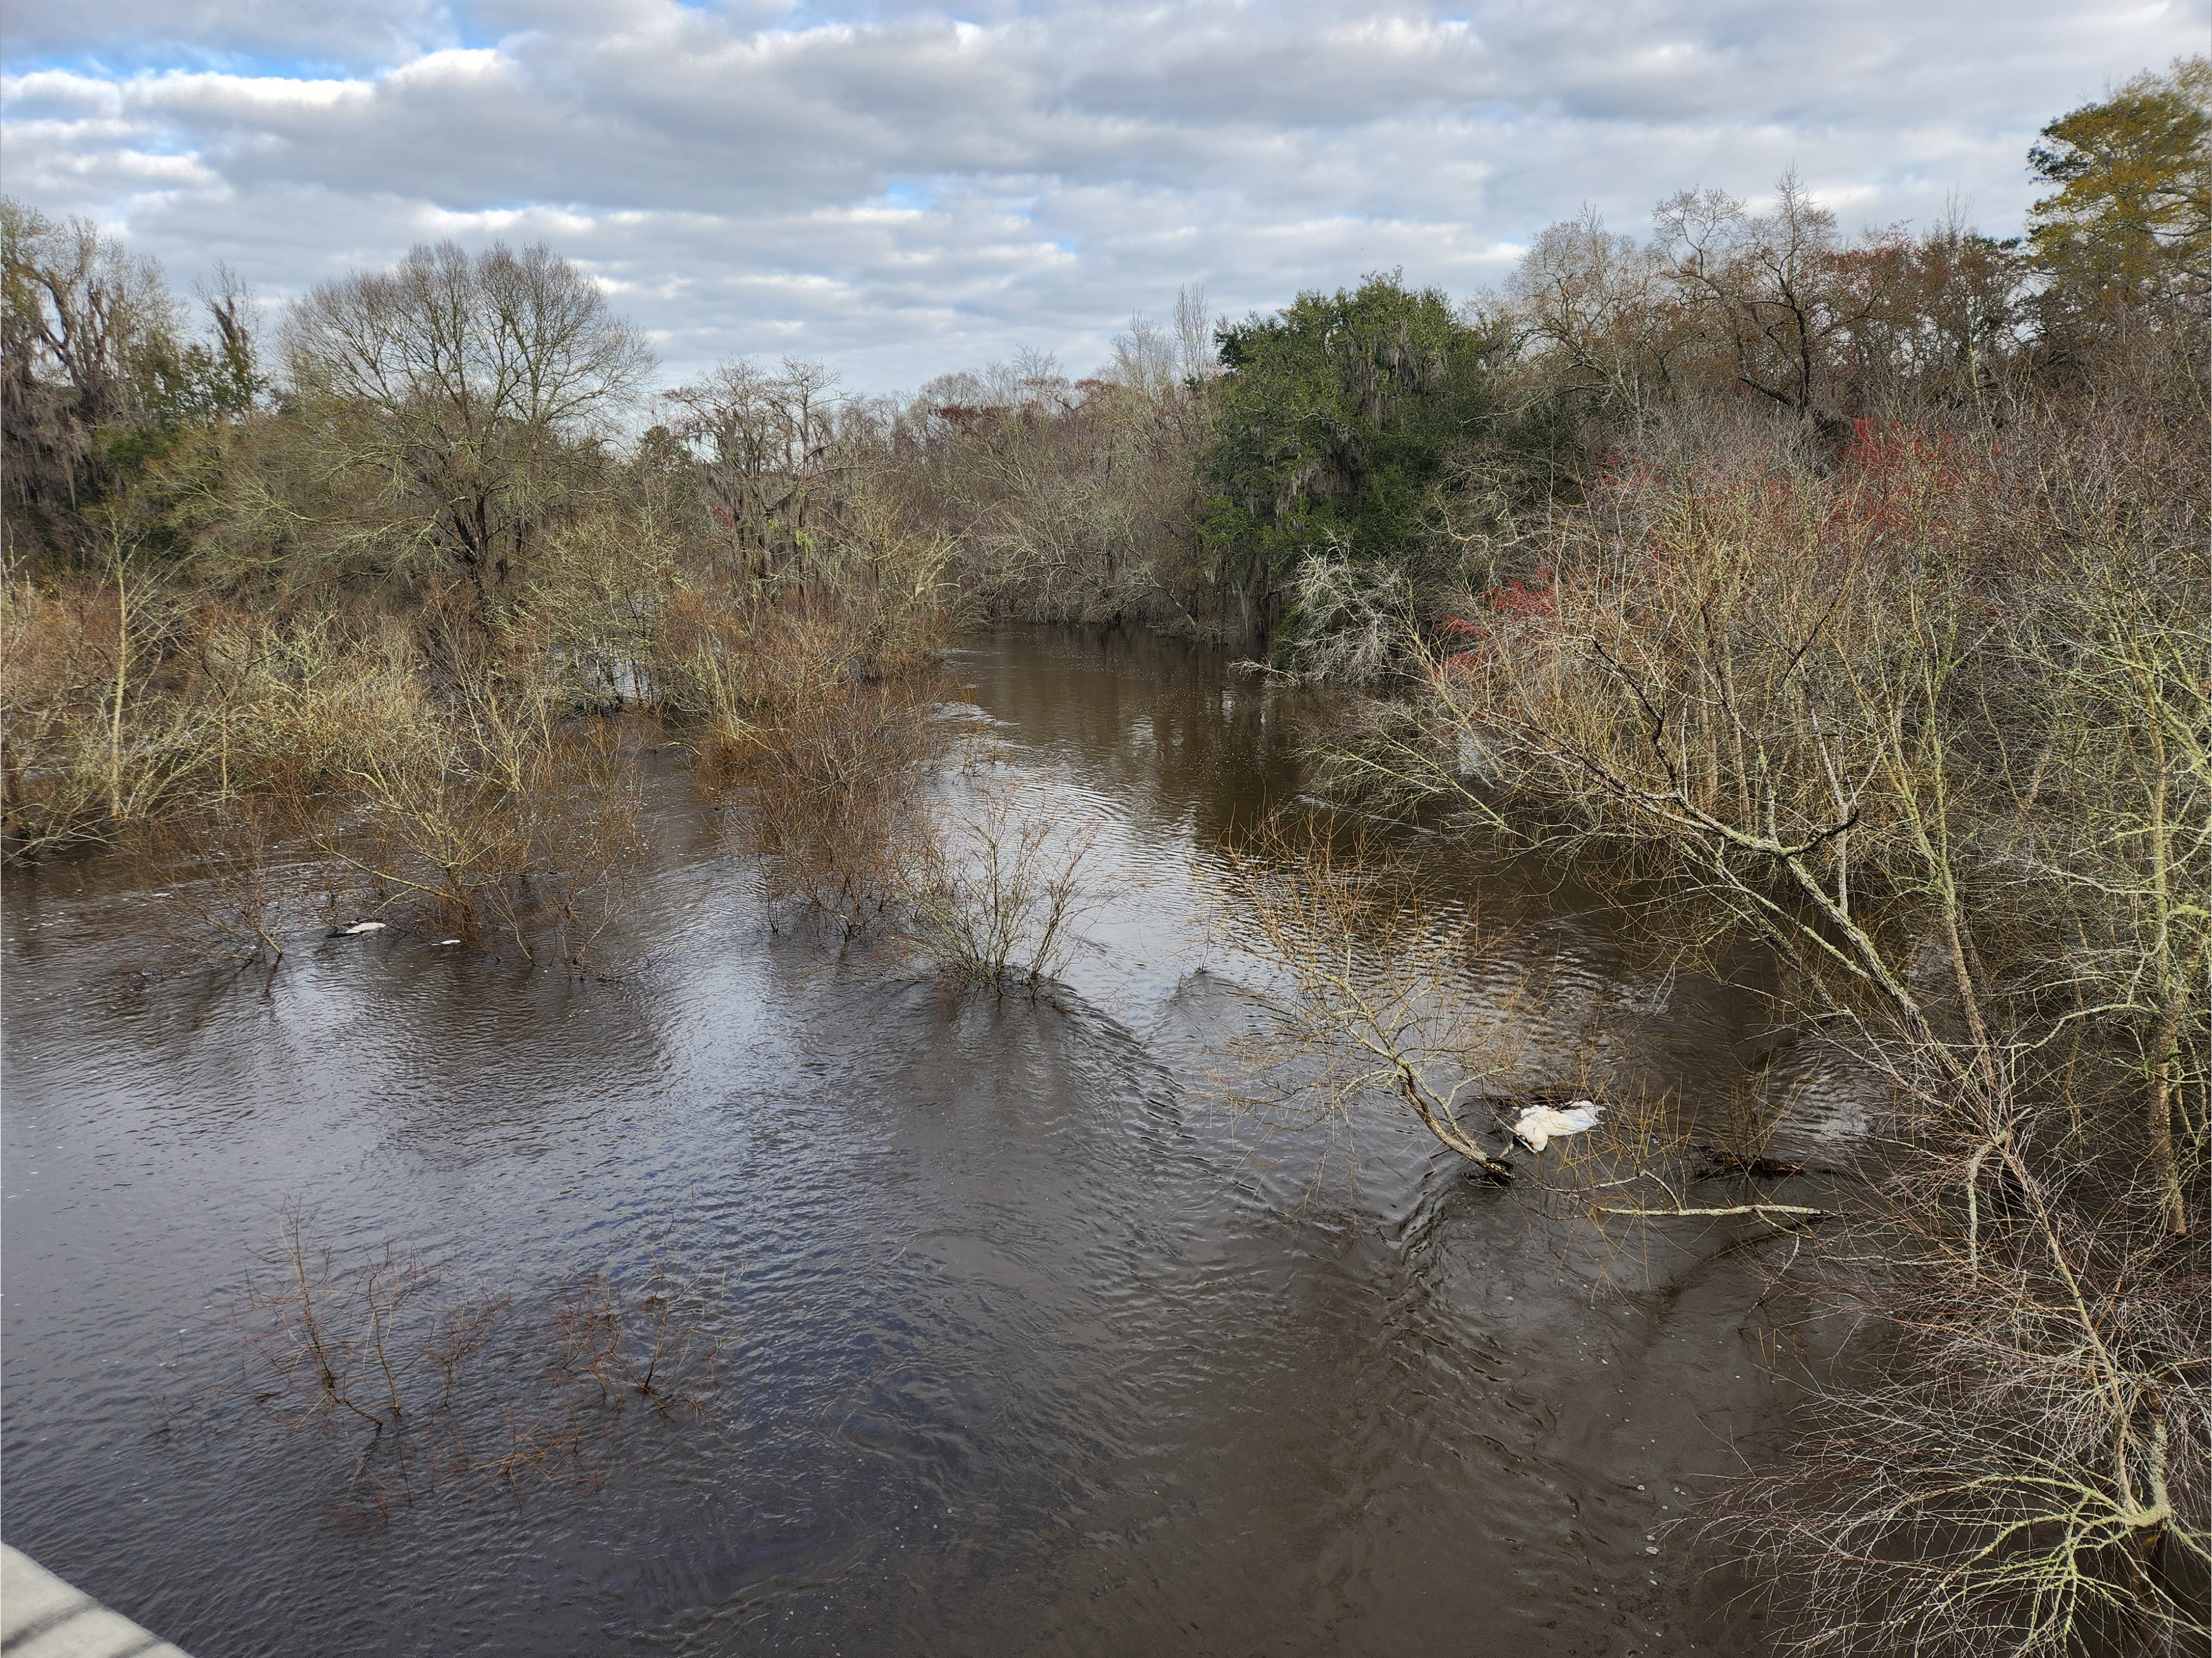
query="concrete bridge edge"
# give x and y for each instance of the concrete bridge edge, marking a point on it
(43, 1617)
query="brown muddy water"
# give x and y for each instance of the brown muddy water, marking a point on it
(1032, 1348)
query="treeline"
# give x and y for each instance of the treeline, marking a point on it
(1276, 484)
(1379, 449)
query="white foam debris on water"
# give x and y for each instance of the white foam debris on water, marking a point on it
(359, 928)
(1538, 1125)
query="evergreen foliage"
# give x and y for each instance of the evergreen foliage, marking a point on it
(2132, 219)
(1336, 419)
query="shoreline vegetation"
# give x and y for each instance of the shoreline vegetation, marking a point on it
(1843, 597)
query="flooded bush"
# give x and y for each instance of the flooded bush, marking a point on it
(95, 739)
(996, 896)
(820, 764)
(497, 816)
(244, 888)
(422, 1380)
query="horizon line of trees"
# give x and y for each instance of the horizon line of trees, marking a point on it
(456, 408)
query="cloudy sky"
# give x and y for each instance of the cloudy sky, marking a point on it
(902, 189)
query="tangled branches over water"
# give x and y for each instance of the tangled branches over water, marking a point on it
(1929, 728)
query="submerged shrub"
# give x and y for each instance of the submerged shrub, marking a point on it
(996, 897)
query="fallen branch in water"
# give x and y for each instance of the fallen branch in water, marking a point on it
(1759, 1208)
(1714, 1163)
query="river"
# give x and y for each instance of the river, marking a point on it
(1032, 1347)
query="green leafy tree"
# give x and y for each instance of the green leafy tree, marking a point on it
(2130, 222)
(1336, 418)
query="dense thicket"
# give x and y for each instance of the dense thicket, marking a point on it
(1874, 631)
(403, 602)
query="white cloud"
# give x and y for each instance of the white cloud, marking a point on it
(903, 192)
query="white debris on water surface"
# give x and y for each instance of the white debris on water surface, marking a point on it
(359, 928)
(1538, 1125)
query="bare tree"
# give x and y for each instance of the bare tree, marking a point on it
(773, 463)
(1600, 306)
(1196, 357)
(458, 388)
(1767, 287)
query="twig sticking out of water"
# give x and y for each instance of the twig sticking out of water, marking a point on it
(455, 1386)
